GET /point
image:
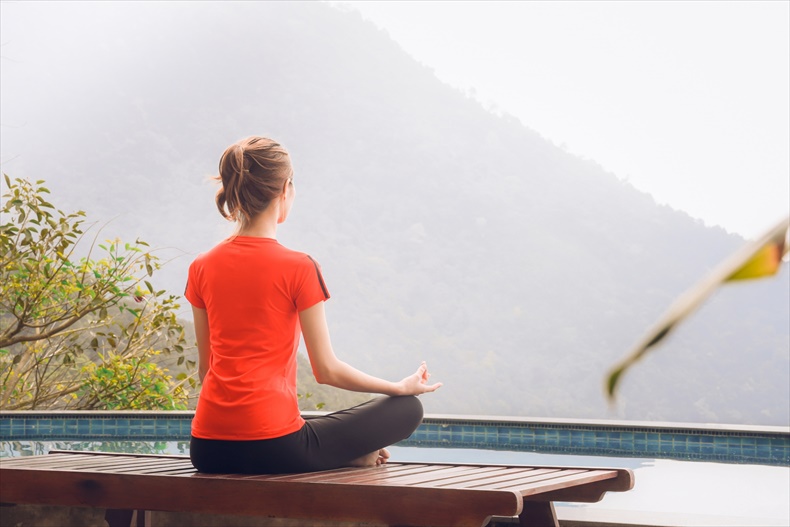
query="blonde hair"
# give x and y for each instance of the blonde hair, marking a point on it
(253, 172)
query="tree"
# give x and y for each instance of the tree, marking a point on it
(81, 333)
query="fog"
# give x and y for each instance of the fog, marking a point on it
(446, 231)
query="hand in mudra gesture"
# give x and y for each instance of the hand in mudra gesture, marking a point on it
(417, 382)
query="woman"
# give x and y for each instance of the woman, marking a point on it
(251, 297)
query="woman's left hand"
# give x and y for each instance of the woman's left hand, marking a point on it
(417, 383)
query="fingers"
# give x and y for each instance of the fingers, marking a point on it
(433, 387)
(422, 372)
(423, 375)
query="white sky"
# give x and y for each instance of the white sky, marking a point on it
(689, 101)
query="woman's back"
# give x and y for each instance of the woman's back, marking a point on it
(252, 289)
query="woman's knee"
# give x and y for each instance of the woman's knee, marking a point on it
(409, 410)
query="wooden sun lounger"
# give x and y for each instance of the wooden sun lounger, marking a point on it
(415, 494)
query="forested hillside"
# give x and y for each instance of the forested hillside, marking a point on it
(445, 233)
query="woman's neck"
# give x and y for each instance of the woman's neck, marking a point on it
(261, 226)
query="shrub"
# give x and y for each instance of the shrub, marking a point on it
(81, 333)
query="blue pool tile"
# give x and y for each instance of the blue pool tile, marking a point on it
(714, 445)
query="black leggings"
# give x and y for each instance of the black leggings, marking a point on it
(323, 443)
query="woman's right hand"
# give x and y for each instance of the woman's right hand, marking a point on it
(417, 383)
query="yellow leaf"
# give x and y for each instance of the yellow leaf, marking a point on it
(765, 263)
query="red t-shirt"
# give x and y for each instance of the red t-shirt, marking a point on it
(252, 290)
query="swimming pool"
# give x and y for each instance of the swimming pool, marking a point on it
(760, 445)
(685, 475)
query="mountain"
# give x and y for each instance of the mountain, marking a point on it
(445, 232)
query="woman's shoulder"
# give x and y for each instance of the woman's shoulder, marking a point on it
(269, 249)
(296, 255)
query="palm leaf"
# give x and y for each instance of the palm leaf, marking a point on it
(759, 258)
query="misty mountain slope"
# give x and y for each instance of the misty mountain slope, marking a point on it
(445, 233)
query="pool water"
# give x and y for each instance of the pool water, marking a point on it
(666, 492)
(35, 448)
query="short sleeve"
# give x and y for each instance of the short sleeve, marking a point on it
(311, 287)
(192, 292)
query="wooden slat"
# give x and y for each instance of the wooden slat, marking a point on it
(109, 465)
(142, 463)
(117, 454)
(66, 464)
(92, 463)
(527, 488)
(24, 460)
(119, 464)
(523, 479)
(477, 474)
(35, 460)
(340, 472)
(148, 468)
(371, 475)
(497, 478)
(307, 475)
(435, 477)
(177, 472)
(387, 478)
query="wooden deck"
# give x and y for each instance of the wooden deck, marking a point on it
(428, 494)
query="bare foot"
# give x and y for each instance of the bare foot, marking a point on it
(373, 459)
